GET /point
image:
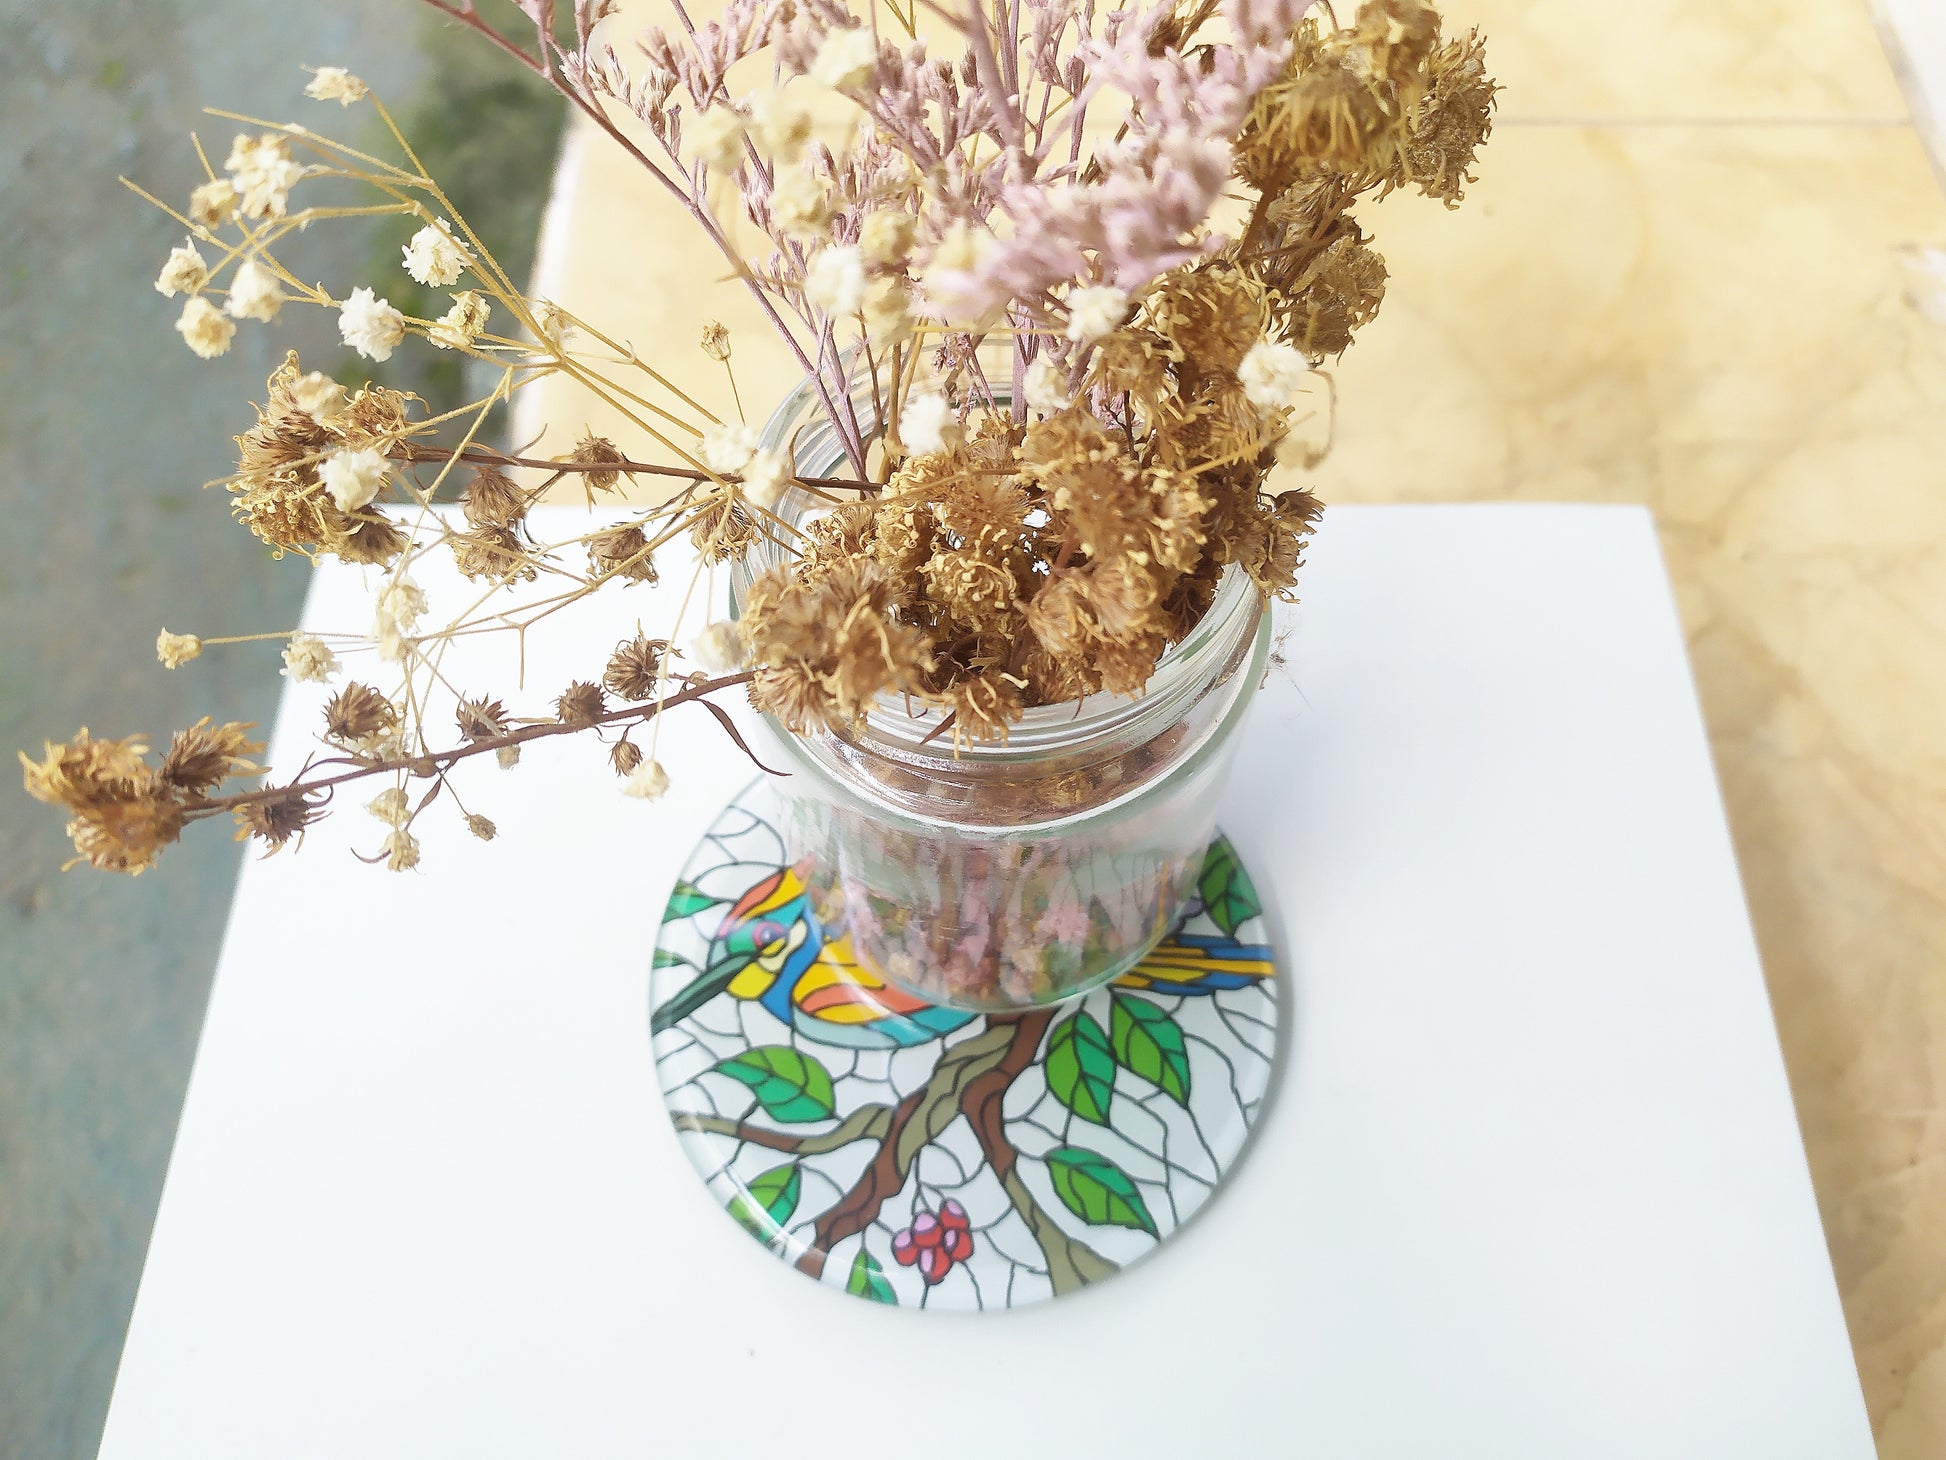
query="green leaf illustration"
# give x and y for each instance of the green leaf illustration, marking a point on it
(867, 1280)
(665, 959)
(1080, 1068)
(767, 1203)
(1227, 894)
(1096, 1190)
(685, 900)
(789, 1085)
(1149, 1043)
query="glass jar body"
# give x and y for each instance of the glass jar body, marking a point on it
(1006, 876)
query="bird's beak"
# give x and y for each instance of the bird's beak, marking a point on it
(699, 991)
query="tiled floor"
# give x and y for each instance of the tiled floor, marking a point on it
(1679, 282)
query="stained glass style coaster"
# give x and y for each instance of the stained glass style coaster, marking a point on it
(918, 1155)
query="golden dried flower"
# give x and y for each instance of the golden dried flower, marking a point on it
(482, 828)
(276, 819)
(481, 719)
(204, 329)
(716, 341)
(624, 756)
(357, 715)
(721, 529)
(1456, 117)
(829, 648)
(263, 172)
(635, 667)
(213, 204)
(580, 704)
(308, 659)
(201, 757)
(123, 812)
(599, 453)
(508, 756)
(461, 325)
(391, 806)
(183, 273)
(334, 83)
(647, 782)
(621, 552)
(401, 851)
(176, 650)
(254, 293)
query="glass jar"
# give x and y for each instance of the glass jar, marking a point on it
(996, 877)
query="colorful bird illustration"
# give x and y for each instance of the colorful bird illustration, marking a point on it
(771, 948)
(1195, 963)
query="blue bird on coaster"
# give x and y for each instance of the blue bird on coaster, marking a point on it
(773, 950)
(1196, 963)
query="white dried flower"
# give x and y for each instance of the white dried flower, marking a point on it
(716, 137)
(353, 476)
(176, 650)
(308, 659)
(1095, 311)
(391, 806)
(213, 203)
(552, 321)
(835, 282)
(924, 422)
(401, 851)
(334, 83)
(1273, 374)
(765, 478)
(318, 395)
(434, 256)
(800, 204)
(391, 641)
(781, 124)
(846, 60)
(719, 647)
(204, 329)
(369, 325)
(888, 312)
(960, 250)
(647, 781)
(404, 600)
(183, 273)
(885, 236)
(1046, 387)
(254, 292)
(508, 756)
(728, 447)
(461, 325)
(263, 172)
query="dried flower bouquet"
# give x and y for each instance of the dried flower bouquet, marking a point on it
(1138, 219)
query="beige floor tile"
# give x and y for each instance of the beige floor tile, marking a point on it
(1585, 60)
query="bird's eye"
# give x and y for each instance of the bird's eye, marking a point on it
(766, 934)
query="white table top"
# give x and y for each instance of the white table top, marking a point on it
(1530, 1186)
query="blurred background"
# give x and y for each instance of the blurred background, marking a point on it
(1704, 268)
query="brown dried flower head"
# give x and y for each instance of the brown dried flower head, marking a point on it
(481, 720)
(622, 552)
(580, 704)
(276, 819)
(203, 756)
(624, 756)
(358, 715)
(635, 668)
(491, 499)
(599, 453)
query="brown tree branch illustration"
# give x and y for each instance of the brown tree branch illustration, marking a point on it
(1071, 1264)
(868, 1122)
(1008, 1039)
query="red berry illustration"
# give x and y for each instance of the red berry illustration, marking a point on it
(959, 1245)
(953, 1216)
(934, 1264)
(904, 1250)
(926, 1230)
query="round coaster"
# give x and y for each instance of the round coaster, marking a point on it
(923, 1156)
